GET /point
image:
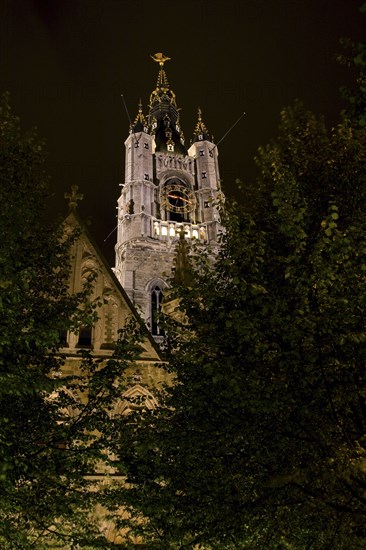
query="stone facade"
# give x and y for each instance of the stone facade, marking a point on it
(167, 189)
(115, 307)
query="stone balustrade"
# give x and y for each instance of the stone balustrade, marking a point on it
(164, 230)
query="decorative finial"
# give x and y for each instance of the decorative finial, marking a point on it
(74, 196)
(160, 58)
(139, 123)
(200, 129)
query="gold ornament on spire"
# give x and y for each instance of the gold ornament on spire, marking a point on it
(200, 126)
(162, 92)
(140, 118)
(160, 58)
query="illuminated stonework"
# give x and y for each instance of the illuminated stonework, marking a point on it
(167, 189)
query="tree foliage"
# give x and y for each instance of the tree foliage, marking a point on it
(51, 424)
(326, 164)
(34, 308)
(354, 56)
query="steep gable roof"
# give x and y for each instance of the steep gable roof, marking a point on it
(116, 307)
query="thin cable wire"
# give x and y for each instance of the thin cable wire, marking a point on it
(229, 130)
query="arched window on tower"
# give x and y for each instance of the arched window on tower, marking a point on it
(156, 296)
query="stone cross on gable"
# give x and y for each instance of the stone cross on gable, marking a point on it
(74, 196)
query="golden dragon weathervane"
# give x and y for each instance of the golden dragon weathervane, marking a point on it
(160, 58)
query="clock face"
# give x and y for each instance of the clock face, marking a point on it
(177, 197)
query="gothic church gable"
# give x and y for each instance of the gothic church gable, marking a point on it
(114, 306)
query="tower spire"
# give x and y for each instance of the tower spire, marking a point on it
(162, 92)
(162, 78)
(140, 123)
(200, 132)
(164, 114)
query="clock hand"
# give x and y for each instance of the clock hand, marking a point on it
(178, 197)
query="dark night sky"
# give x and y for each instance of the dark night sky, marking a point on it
(66, 62)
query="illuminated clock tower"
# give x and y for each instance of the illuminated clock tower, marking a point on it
(167, 190)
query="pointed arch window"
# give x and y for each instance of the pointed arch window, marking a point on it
(156, 296)
(85, 337)
(63, 339)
